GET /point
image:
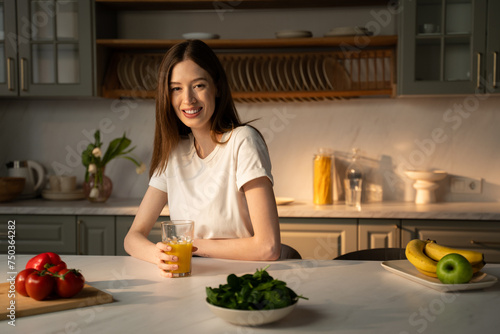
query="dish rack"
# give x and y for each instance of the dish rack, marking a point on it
(263, 77)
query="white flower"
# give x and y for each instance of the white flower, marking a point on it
(94, 193)
(140, 169)
(92, 168)
(96, 152)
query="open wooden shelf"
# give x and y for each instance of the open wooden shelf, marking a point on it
(348, 42)
(234, 5)
(270, 76)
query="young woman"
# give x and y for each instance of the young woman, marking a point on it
(207, 165)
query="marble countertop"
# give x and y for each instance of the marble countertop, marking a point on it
(344, 297)
(298, 208)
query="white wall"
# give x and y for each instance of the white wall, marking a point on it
(459, 135)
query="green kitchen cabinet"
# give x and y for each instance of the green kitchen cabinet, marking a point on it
(448, 47)
(95, 235)
(62, 234)
(35, 234)
(123, 224)
(482, 236)
(379, 233)
(493, 48)
(46, 48)
(319, 238)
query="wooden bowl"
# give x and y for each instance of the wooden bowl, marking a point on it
(11, 187)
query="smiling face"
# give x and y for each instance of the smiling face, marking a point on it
(192, 93)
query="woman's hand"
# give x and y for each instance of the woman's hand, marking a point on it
(162, 258)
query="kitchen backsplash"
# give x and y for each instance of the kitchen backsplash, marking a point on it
(459, 135)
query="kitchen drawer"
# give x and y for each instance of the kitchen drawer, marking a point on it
(483, 236)
(37, 234)
(319, 238)
(123, 224)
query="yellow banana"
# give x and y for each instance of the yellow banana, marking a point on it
(415, 254)
(478, 266)
(428, 273)
(436, 252)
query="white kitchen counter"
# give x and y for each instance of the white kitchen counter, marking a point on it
(384, 210)
(344, 297)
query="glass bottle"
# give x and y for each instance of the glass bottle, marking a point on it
(323, 177)
(353, 181)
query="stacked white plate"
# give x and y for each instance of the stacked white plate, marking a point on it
(200, 35)
(348, 31)
(293, 34)
(285, 73)
(138, 71)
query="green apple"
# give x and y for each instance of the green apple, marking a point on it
(454, 269)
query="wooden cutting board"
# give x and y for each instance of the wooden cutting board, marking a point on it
(26, 306)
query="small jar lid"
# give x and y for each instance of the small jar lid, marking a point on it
(325, 151)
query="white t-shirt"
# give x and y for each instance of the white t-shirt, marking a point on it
(209, 191)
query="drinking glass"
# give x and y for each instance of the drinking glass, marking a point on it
(179, 235)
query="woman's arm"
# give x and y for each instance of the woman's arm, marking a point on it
(265, 244)
(136, 241)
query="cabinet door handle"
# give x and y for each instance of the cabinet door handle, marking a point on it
(10, 85)
(495, 55)
(475, 242)
(78, 237)
(478, 77)
(23, 73)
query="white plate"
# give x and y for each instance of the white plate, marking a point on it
(289, 82)
(280, 73)
(336, 75)
(284, 200)
(148, 72)
(200, 35)
(126, 72)
(233, 65)
(320, 78)
(273, 74)
(405, 269)
(329, 65)
(258, 75)
(60, 196)
(298, 82)
(348, 31)
(121, 69)
(250, 318)
(249, 73)
(242, 76)
(310, 72)
(293, 34)
(134, 72)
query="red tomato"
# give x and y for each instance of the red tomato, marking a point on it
(38, 262)
(56, 268)
(69, 282)
(21, 281)
(39, 285)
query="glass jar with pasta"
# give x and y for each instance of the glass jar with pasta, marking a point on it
(323, 177)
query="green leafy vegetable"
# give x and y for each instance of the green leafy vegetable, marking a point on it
(259, 291)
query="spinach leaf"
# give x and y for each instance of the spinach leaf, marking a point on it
(259, 291)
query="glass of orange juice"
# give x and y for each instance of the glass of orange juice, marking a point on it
(179, 235)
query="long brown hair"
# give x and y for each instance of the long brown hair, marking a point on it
(169, 129)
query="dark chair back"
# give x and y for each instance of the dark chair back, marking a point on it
(288, 252)
(376, 254)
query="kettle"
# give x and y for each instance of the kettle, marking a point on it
(32, 171)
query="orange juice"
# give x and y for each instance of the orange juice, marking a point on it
(183, 251)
